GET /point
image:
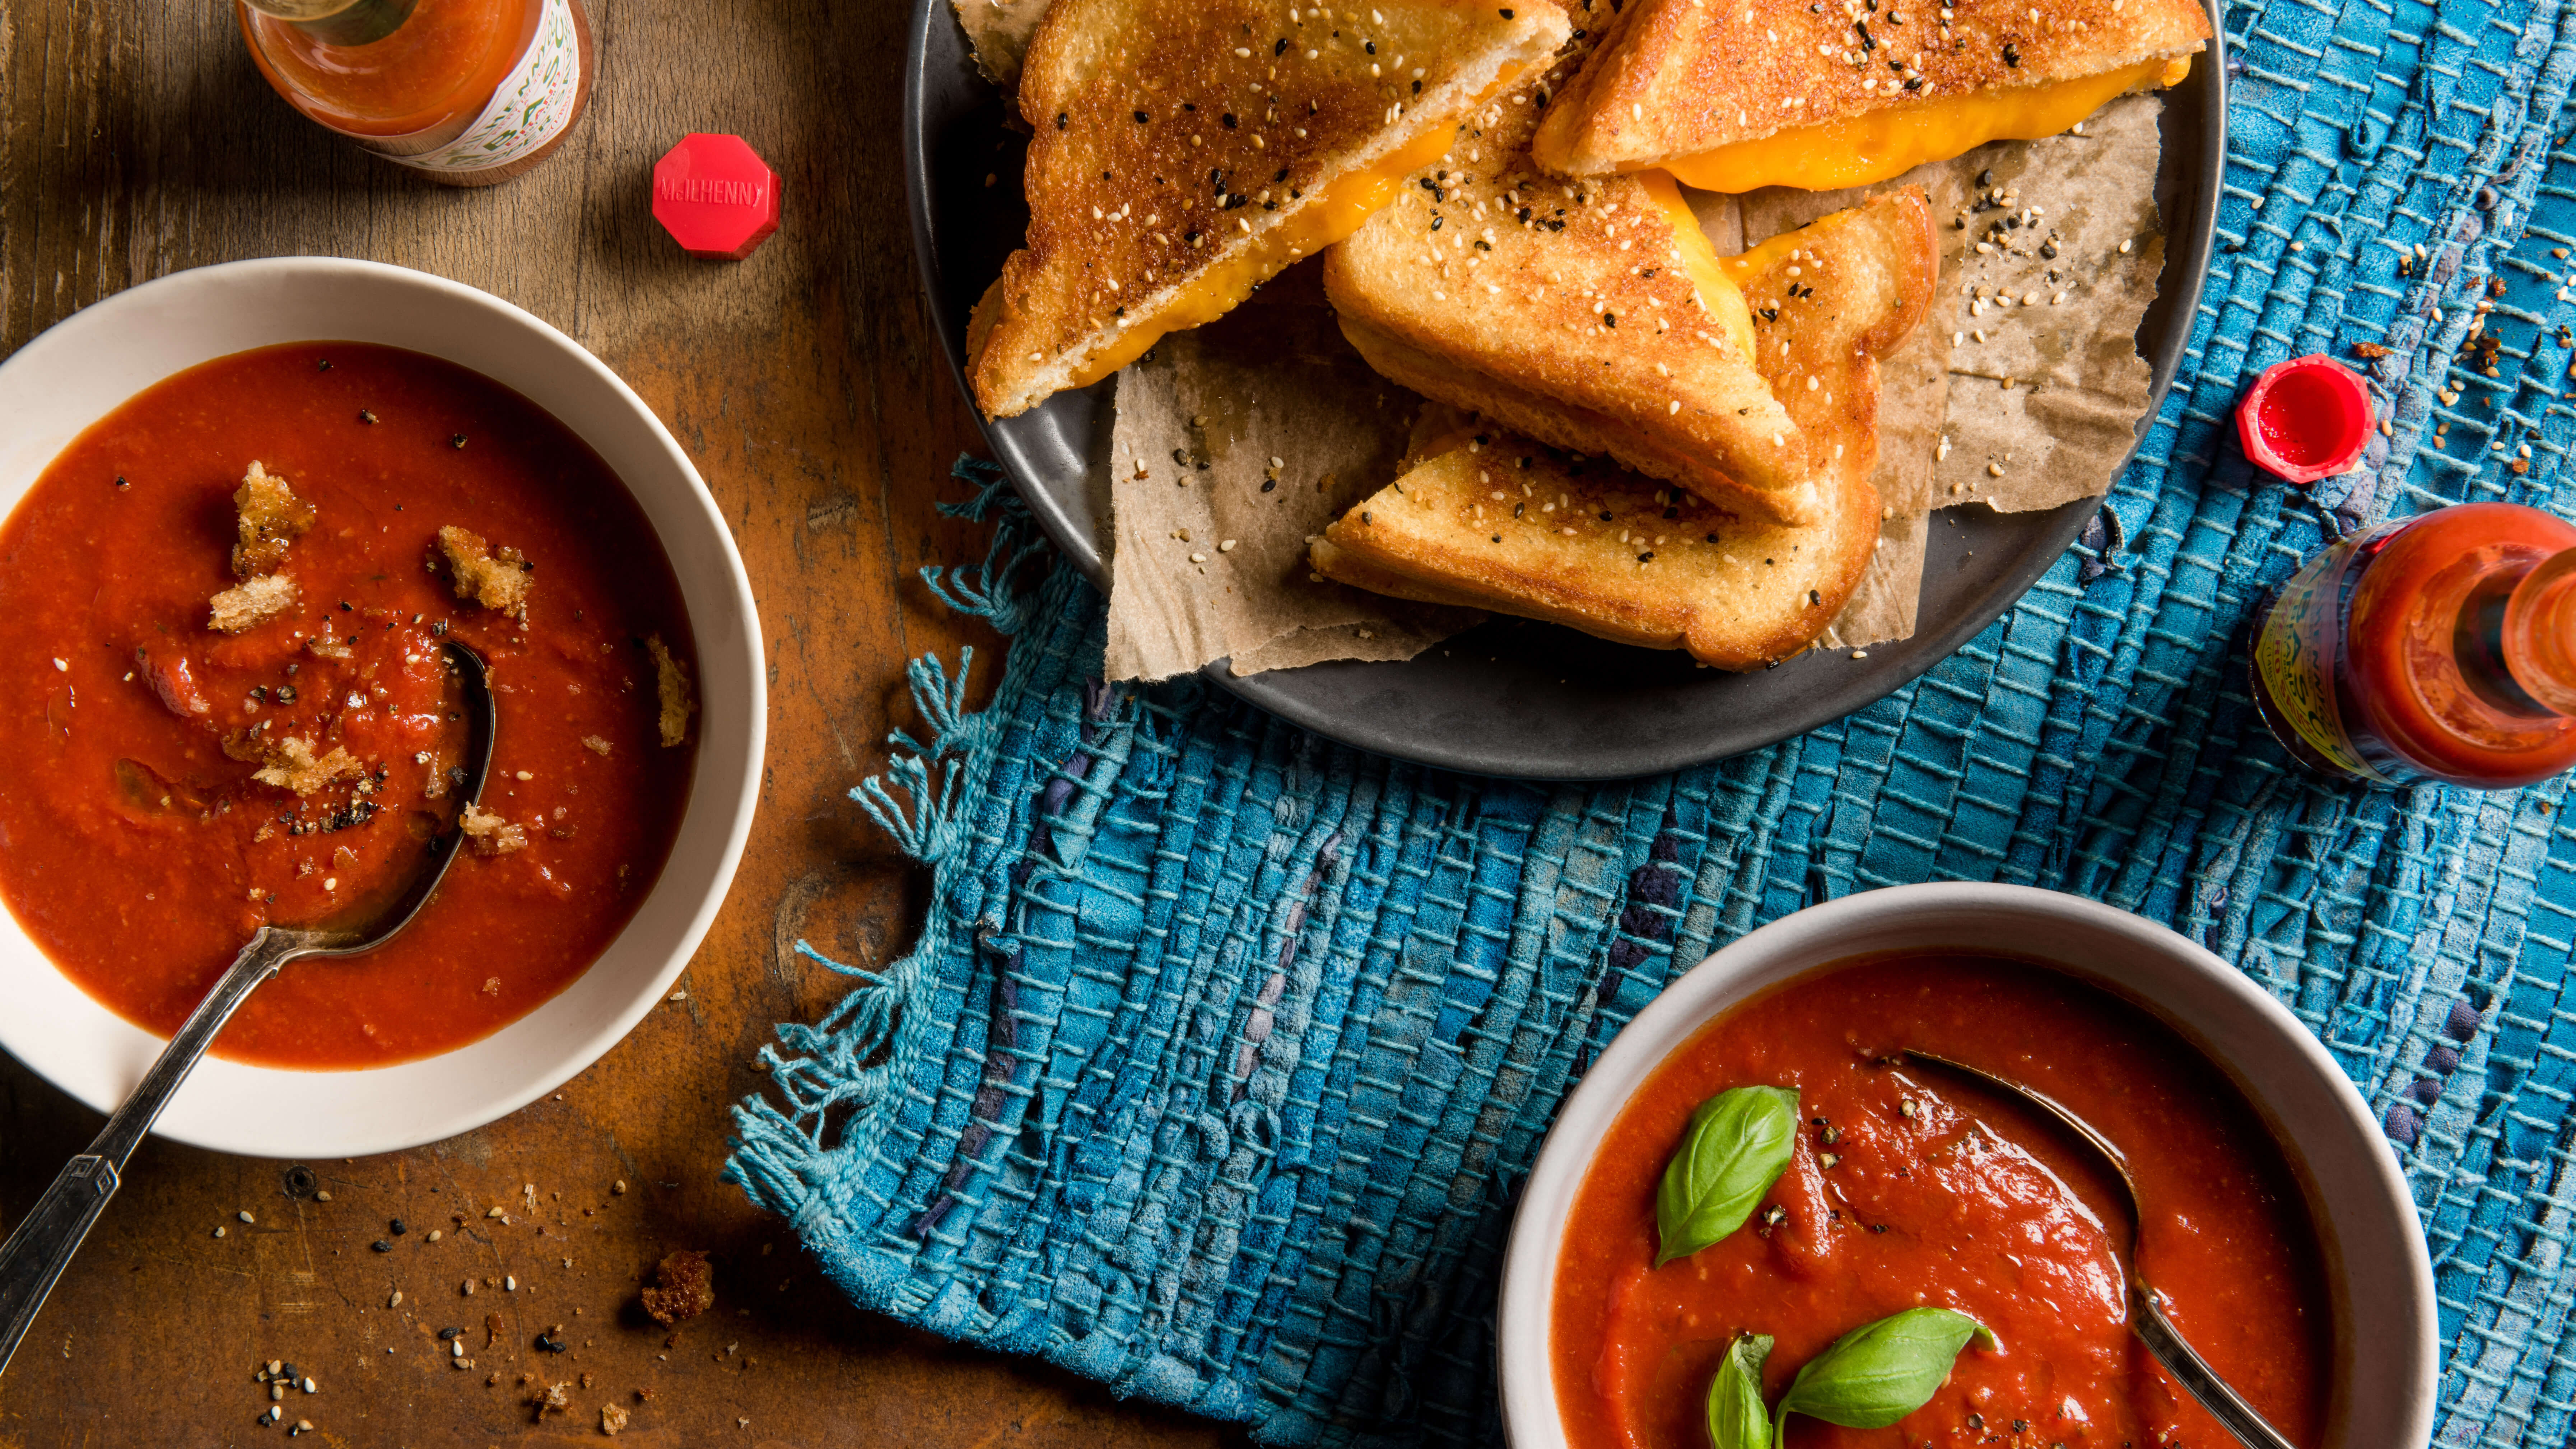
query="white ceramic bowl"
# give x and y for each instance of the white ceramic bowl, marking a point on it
(2386, 1350)
(97, 358)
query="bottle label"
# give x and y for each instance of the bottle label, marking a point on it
(532, 106)
(2295, 653)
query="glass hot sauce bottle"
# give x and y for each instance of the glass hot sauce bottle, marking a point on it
(2438, 647)
(468, 92)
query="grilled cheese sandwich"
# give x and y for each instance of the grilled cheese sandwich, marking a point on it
(1186, 151)
(1590, 315)
(1497, 522)
(1732, 97)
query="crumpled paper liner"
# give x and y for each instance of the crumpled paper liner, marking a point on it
(1208, 559)
(1000, 31)
(1275, 379)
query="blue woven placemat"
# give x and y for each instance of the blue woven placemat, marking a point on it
(1224, 1050)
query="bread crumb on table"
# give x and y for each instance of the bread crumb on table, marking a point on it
(498, 579)
(684, 1286)
(252, 603)
(270, 517)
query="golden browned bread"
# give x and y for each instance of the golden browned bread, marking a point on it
(1185, 151)
(1680, 78)
(1500, 523)
(1829, 300)
(1590, 315)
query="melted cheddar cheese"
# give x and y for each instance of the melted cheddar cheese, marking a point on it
(1718, 291)
(1861, 149)
(1347, 203)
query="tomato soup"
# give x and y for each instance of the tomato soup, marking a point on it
(1907, 1187)
(226, 607)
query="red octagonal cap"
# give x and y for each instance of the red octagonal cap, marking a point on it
(715, 196)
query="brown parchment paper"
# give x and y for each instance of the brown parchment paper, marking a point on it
(1000, 30)
(2077, 386)
(1208, 558)
(1275, 379)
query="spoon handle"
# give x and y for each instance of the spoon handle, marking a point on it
(2194, 1373)
(41, 1246)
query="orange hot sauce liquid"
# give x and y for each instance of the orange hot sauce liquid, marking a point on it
(1967, 1203)
(140, 855)
(439, 68)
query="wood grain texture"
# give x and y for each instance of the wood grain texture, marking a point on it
(136, 140)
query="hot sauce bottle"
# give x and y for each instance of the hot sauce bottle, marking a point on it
(2439, 647)
(469, 92)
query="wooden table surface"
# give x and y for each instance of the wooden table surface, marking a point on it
(136, 139)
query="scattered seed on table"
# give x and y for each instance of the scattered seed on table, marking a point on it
(311, 1387)
(396, 1300)
(510, 1284)
(219, 1231)
(325, 1194)
(245, 1216)
(435, 1235)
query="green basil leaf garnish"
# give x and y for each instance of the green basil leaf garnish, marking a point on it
(1880, 1372)
(1736, 1418)
(1737, 1145)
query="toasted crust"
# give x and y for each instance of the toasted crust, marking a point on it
(1680, 77)
(1249, 120)
(1568, 313)
(1863, 279)
(1514, 528)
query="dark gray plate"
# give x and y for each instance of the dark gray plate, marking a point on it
(1511, 697)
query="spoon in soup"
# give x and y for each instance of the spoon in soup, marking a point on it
(2146, 1306)
(44, 1241)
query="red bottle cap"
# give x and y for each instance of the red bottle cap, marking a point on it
(715, 196)
(2305, 419)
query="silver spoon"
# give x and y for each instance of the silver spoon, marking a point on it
(43, 1243)
(2146, 1306)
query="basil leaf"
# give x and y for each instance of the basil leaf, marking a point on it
(1880, 1372)
(1737, 1145)
(1736, 1418)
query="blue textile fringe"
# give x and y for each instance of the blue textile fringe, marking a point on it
(1224, 1050)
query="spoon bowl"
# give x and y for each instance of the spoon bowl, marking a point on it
(42, 1245)
(2147, 1316)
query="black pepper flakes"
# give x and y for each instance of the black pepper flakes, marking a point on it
(381, 1246)
(120, 480)
(366, 415)
(399, 1227)
(2012, 57)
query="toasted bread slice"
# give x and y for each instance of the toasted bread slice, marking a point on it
(1185, 151)
(1591, 316)
(1500, 524)
(1732, 96)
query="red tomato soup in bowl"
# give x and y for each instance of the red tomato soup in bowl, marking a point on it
(228, 603)
(1901, 1187)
